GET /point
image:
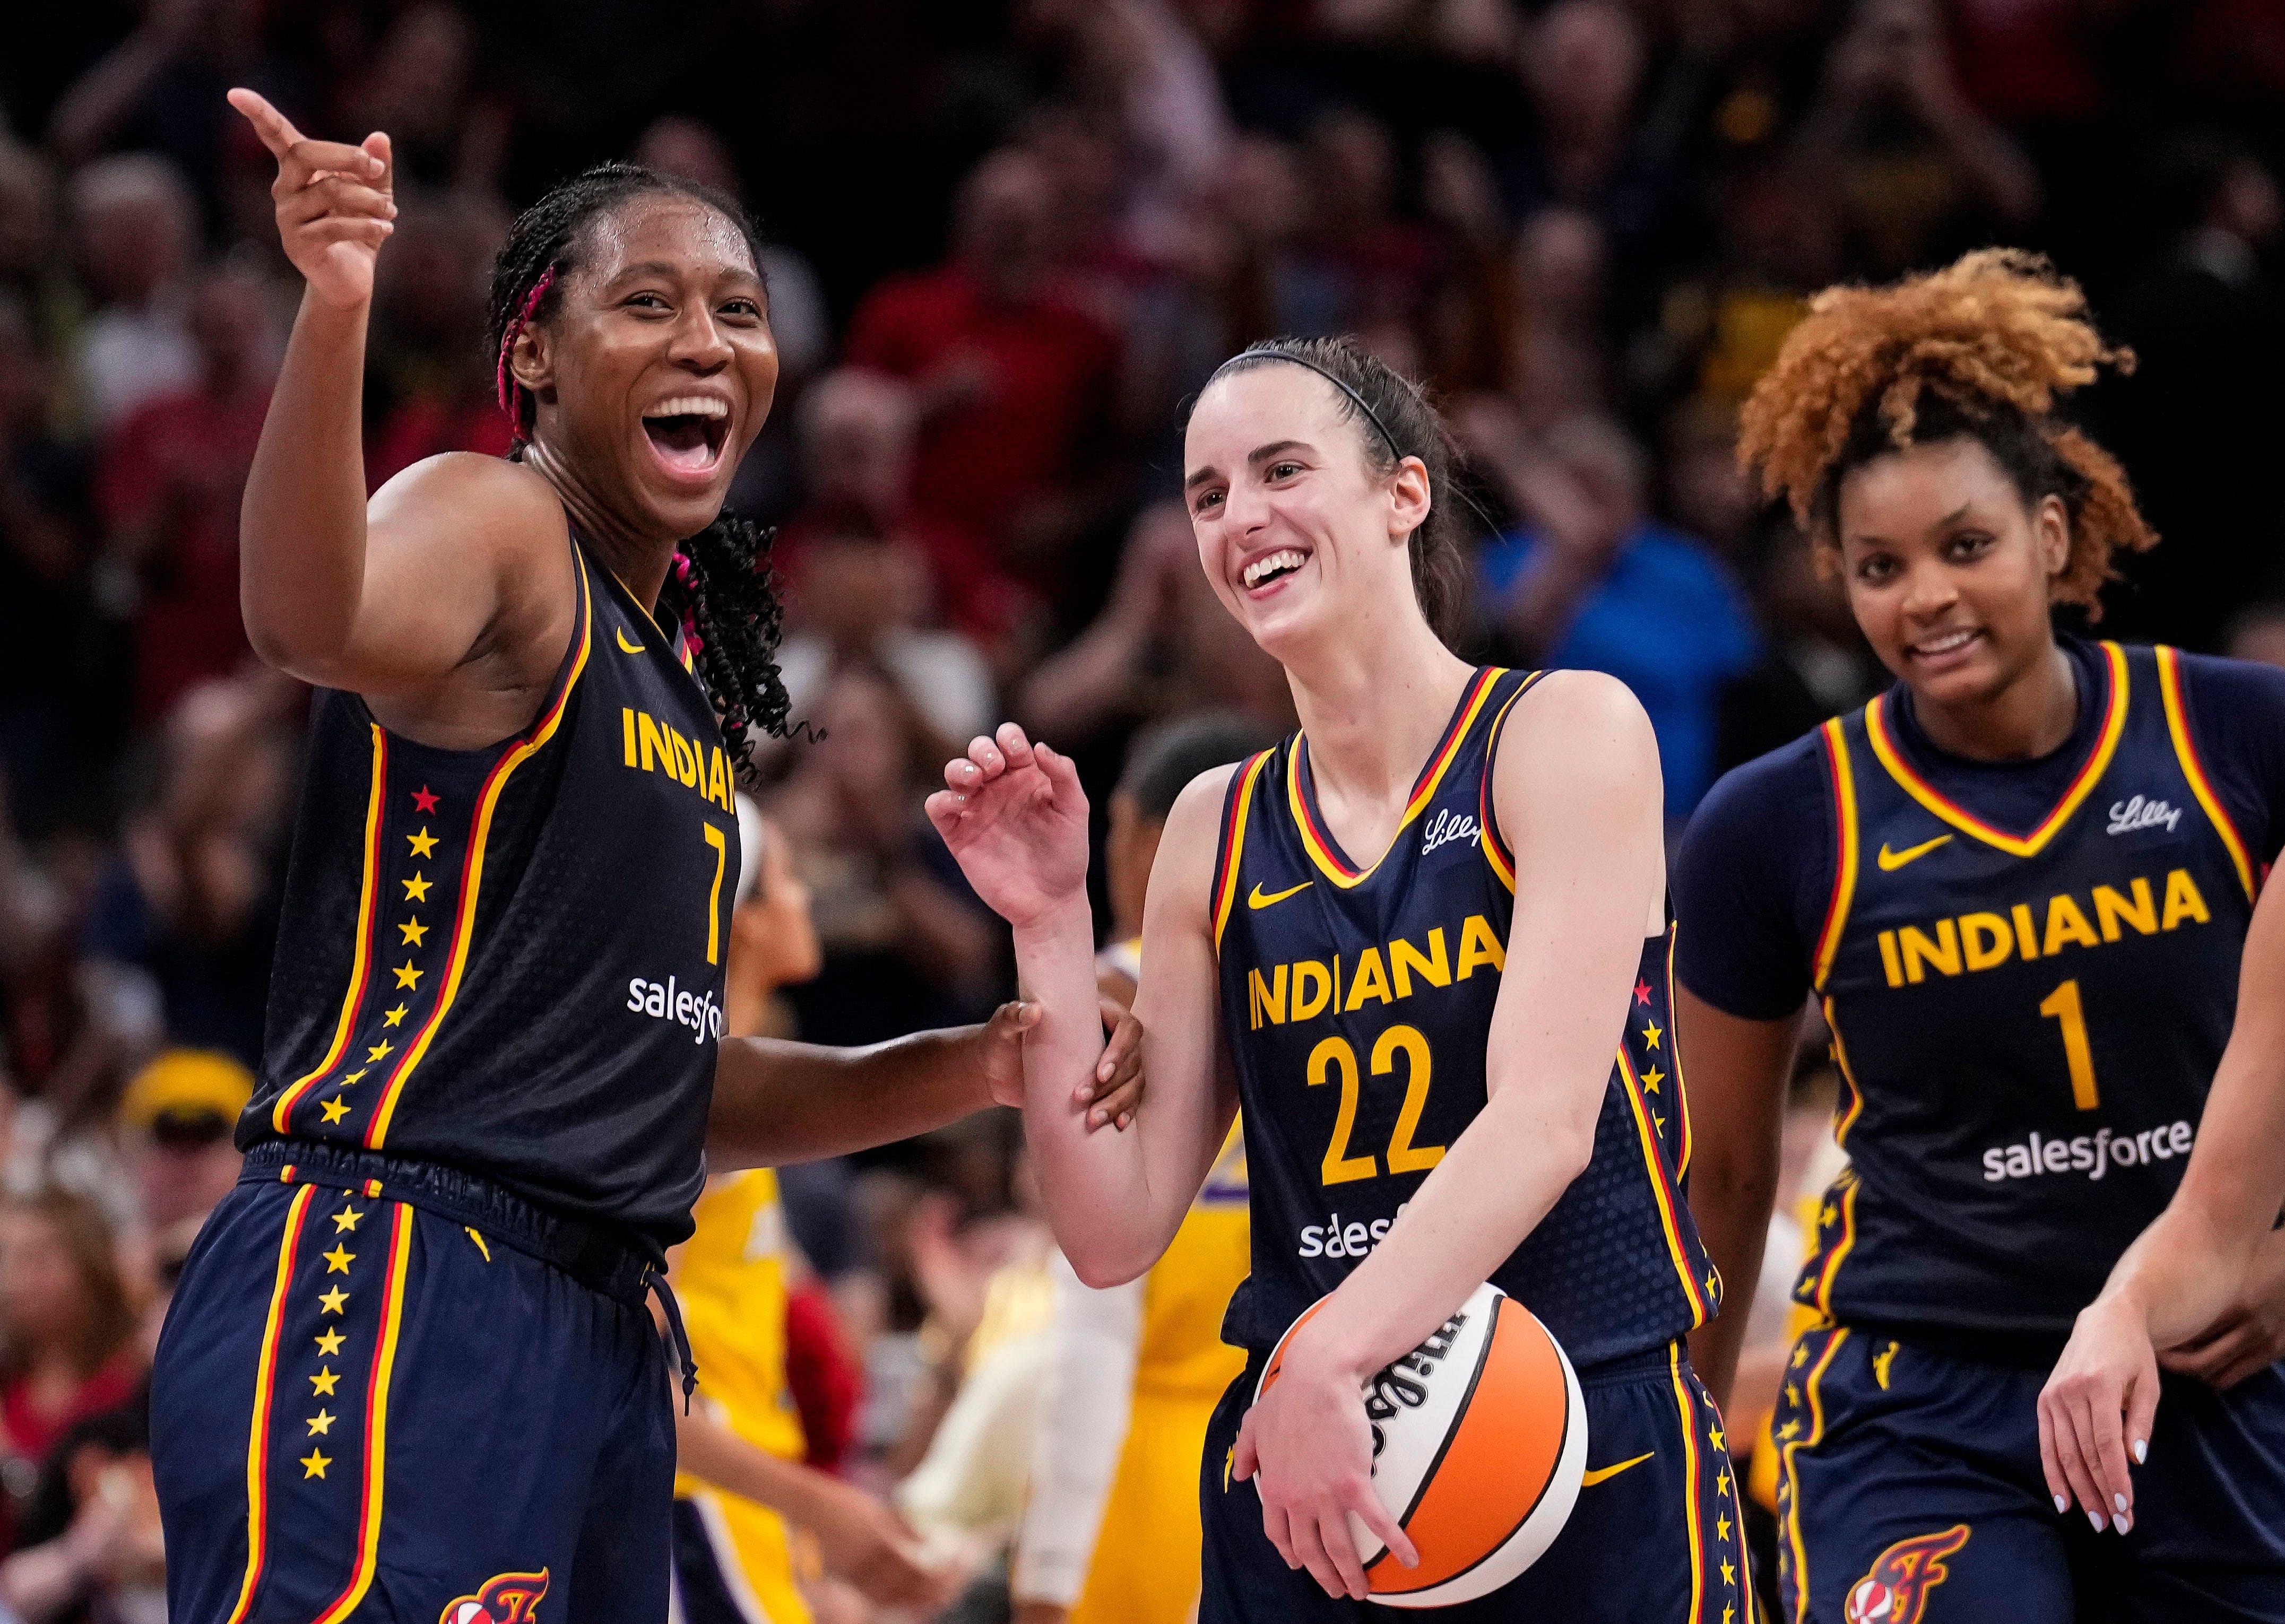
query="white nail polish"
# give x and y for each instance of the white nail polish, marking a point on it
(2096, 1518)
(2141, 1450)
(2061, 1504)
(2119, 1501)
(2125, 1524)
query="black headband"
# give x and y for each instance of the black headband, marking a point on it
(1370, 416)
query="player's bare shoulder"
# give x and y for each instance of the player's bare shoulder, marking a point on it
(1183, 875)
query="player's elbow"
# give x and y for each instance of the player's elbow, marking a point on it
(284, 642)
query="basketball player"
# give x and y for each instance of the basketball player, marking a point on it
(1111, 1531)
(408, 1372)
(2018, 882)
(1422, 1034)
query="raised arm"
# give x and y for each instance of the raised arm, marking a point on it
(454, 549)
(1016, 818)
(1576, 790)
(2190, 1267)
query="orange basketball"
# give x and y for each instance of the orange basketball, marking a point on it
(1479, 1442)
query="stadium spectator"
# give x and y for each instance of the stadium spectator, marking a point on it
(68, 1348)
(135, 229)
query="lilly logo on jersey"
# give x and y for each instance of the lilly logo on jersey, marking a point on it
(504, 1598)
(2136, 813)
(663, 1000)
(1981, 941)
(1444, 829)
(1896, 1590)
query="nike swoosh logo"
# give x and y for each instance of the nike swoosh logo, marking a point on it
(1257, 900)
(625, 646)
(1603, 1474)
(1890, 861)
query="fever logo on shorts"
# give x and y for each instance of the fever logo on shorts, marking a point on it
(1895, 1591)
(504, 1598)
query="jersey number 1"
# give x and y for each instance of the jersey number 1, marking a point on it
(2063, 1005)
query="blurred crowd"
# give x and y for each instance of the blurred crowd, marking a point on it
(1014, 236)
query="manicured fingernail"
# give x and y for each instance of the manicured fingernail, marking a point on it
(2125, 1523)
(2120, 1501)
(2141, 1450)
(2061, 1504)
(2096, 1518)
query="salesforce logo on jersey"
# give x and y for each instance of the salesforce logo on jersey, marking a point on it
(663, 1000)
(1336, 1239)
(2091, 1154)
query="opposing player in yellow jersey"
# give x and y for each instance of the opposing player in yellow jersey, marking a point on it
(1112, 1535)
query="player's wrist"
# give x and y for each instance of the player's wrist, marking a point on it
(1058, 921)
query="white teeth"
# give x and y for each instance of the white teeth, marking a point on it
(1945, 644)
(1270, 563)
(690, 405)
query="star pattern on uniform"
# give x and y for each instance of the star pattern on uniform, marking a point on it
(1642, 993)
(1650, 1033)
(314, 1465)
(381, 1050)
(346, 1220)
(1652, 1077)
(1789, 1428)
(416, 888)
(354, 1078)
(1658, 1121)
(1721, 1529)
(338, 1260)
(329, 1343)
(321, 1424)
(1800, 1356)
(1728, 1572)
(411, 932)
(324, 1382)
(334, 1301)
(390, 1017)
(1830, 1213)
(1714, 1436)
(1793, 1393)
(332, 1110)
(424, 799)
(1722, 1484)
(1713, 1280)
(424, 844)
(406, 974)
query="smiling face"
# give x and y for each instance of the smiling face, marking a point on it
(1296, 530)
(655, 371)
(1948, 569)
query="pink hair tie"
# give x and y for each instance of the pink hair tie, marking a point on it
(509, 388)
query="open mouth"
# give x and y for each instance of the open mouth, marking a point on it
(688, 433)
(1273, 567)
(1943, 643)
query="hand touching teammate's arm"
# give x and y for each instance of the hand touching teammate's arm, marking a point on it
(1588, 840)
(397, 603)
(1016, 818)
(2190, 1267)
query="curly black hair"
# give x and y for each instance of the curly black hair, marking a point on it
(721, 586)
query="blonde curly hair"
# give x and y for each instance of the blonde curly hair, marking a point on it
(1982, 349)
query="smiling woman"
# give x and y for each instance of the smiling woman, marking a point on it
(494, 1060)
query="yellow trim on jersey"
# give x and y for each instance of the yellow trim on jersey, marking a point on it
(1662, 1193)
(1823, 1292)
(1315, 843)
(1848, 1118)
(1844, 869)
(2114, 724)
(265, 1377)
(1234, 842)
(464, 925)
(2186, 750)
(1502, 860)
(369, 870)
(1688, 1412)
(1793, 1474)
(376, 1421)
(1681, 1088)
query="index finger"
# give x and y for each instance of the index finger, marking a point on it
(275, 129)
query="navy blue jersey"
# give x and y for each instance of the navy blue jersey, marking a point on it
(2026, 1015)
(1357, 1004)
(509, 960)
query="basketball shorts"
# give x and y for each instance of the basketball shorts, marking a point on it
(374, 1400)
(733, 1564)
(1655, 1538)
(1910, 1493)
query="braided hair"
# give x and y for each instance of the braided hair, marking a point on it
(1984, 349)
(721, 586)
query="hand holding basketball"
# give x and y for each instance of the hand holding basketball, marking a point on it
(1307, 1446)
(1016, 818)
(335, 206)
(2103, 1392)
